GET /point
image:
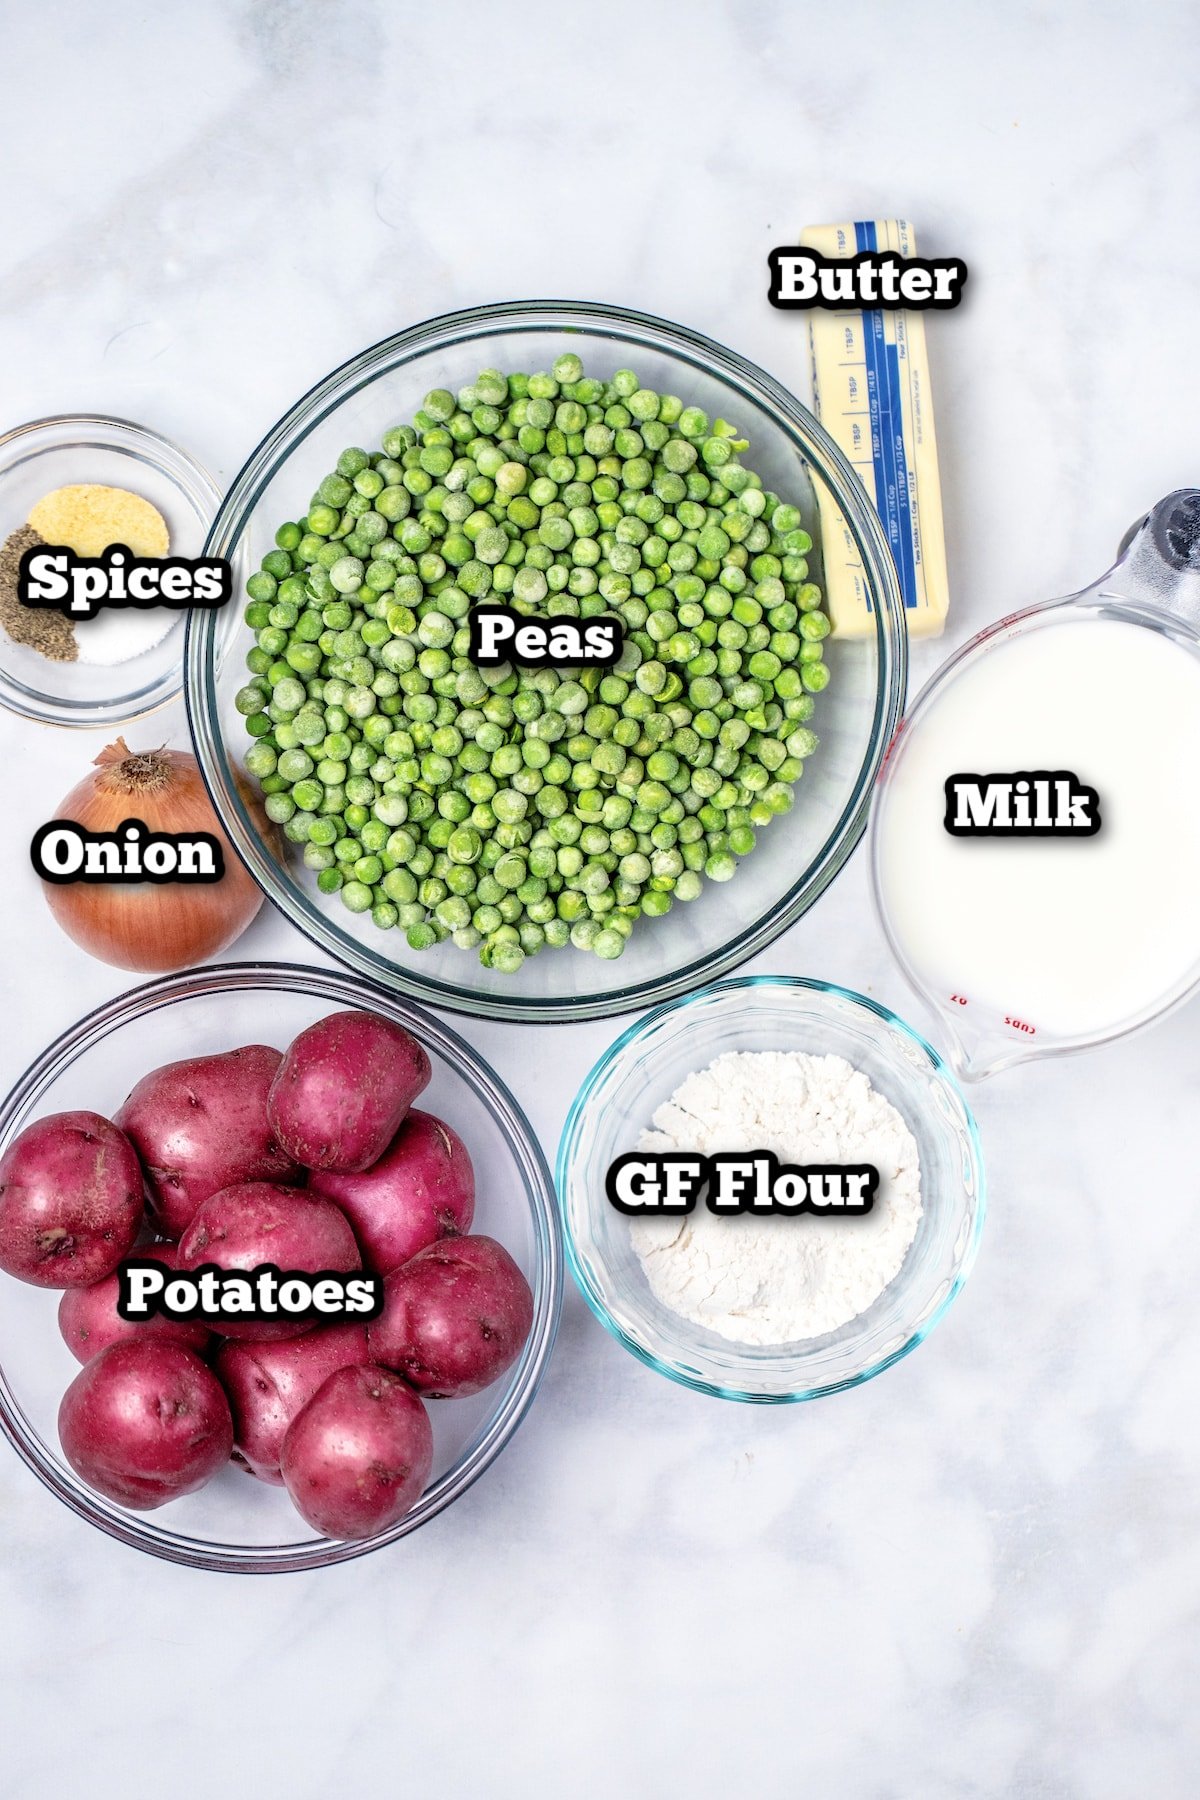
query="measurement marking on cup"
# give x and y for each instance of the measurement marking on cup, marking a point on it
(1010, 1019)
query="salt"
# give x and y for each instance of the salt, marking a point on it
(119, 636)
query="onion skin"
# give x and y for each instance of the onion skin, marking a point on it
(152, 927)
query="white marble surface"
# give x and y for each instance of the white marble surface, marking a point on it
(979, 1575)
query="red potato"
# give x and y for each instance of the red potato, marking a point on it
(201, 1125)
(71, 1200)
(343, 1088)
(258, 1222)
(144, 1422)
(357, 1458)
(268, 1384)
(89, 1320)
(421, 1189)
(454, 1318)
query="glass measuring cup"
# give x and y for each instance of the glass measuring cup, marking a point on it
(1154, 586)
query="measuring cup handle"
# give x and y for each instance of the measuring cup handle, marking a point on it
(1159, 559)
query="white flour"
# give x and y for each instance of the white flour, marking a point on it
(774, 1280)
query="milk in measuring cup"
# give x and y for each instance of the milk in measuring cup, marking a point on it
(1058, 938)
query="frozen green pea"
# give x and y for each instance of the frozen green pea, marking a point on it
(346, 576)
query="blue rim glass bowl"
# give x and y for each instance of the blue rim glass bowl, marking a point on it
(796, 857)
(643, 1068)
(237, 1524)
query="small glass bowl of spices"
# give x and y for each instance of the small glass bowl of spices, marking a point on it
(84, 482)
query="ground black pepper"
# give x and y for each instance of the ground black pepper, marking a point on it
(49, 633)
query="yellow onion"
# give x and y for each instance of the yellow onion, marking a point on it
(152, 926)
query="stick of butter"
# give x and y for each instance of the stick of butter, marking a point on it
(871, 392)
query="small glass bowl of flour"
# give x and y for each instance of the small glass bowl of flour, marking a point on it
(775, 1308)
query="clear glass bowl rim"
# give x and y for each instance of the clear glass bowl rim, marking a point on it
(141, 1531)
(447, 331)
(194, 479)
(566, 1154)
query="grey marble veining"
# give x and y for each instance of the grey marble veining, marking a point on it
(980, 1574)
